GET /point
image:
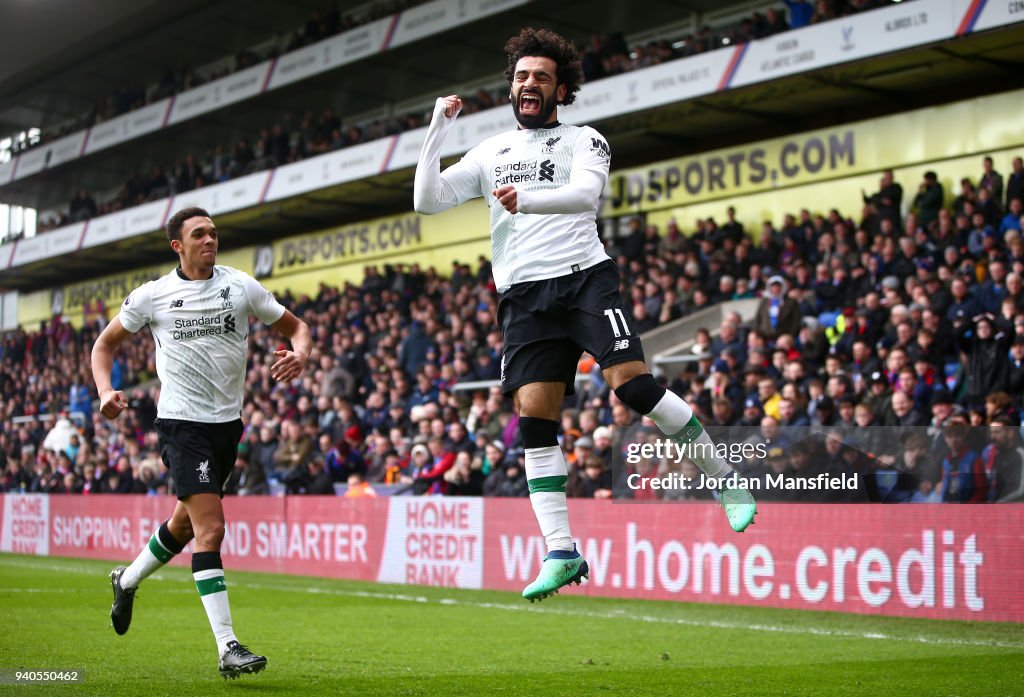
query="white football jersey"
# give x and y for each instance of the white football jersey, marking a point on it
(201, 329)
(531, 247)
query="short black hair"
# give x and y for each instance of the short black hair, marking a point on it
(545, 43)
(177, 221)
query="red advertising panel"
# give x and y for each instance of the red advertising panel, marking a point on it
(311, 536)
(941, 561)
(938, 561)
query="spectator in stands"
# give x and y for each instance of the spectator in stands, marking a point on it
(295, 450)
(465, 479)
(358, 487)
(510, 481)
(968, 196)
(777, 314)
(429, 478)
(963, 305)
(1003, 459)
(82, 206)
(888, 200)
(1015, 182)
(986, 341)
(800, 13)
(596, 481)
(319, 481)
(929, 199)
(991, 180)
(252, 478)
(963, 473)
(1012, 219)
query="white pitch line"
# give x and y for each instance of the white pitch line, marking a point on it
(71, 567)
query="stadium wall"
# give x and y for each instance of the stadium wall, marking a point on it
(766, 179)
(336, 255)
(941, 561)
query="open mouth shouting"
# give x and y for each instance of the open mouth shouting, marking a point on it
(530, 103)
(531, 109)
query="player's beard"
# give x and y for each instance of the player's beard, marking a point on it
(547, 107)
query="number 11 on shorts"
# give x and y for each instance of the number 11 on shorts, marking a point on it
(610, 314)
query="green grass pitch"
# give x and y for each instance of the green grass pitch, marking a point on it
(324, 637)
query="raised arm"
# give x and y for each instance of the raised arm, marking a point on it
(112, 402)
(434, 191)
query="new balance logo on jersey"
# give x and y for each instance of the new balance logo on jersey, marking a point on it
(549, 146)
(621, 344)
(204, 472)
(229, 324)
(600, 147)
(547, 171)
(176, 304)
(504, 151)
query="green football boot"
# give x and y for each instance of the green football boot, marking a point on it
(560, 568)
(739, 506)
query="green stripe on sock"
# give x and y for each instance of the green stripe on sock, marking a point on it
(158, 550)
(211, 585)
(690, 432)
(554, 484)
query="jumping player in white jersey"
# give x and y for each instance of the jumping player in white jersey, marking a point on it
(199, 317)
(559, 289)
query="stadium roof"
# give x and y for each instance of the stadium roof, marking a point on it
(64, 54)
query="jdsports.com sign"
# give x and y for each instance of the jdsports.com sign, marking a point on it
(937, 561)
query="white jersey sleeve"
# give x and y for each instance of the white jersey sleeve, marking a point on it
(262, 302)
(137, 309)
(581, 194)
(435, 191)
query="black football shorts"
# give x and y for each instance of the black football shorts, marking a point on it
(199, 456)
(547, 325)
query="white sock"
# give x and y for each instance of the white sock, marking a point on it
(214, 593)
(154, 555)
(546, 473)
(676, 420)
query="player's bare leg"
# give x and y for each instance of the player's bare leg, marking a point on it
(165, 543)
(538, 405)
(636, 387)
(207, 520)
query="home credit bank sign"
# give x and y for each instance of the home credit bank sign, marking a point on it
(937, 561)
(434, 541)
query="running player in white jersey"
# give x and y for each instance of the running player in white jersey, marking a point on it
(199, 317)
(559, 289)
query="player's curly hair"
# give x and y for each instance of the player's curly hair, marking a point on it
(547, 44)
(177, 221)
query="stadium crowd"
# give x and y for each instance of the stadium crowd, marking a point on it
(890, 348)
(293, 137)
